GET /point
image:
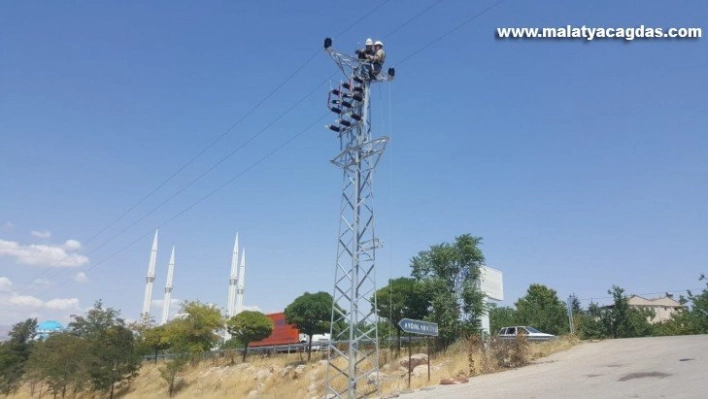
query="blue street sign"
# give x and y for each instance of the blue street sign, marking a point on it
(419, 327)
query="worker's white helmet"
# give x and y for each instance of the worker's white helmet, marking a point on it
(378, 43)
(369, 42)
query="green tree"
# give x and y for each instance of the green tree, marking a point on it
(153, 340)
(63, 361)
(541, 308)
(195, 331)
(450, 273)
(575, 305)
(622, 321)
(618, 320)
(249, 326)
(403, 297)
(692, 319)
(591, 325)
(170, 370)
(311, 314)
(14, 355)
(501, 316)
(697, 317)
(111, 346)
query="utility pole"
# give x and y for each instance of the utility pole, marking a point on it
(570, 314)
(352, 370)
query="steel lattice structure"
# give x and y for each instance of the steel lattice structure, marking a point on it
(352, 370)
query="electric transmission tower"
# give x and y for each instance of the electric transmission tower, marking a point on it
(353, 368)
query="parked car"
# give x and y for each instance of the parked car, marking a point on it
(527, 332)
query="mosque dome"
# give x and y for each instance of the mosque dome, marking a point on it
(49, 326)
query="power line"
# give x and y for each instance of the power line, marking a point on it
(209, 146)
(451, 31)
(202, 199)
(425, 10)
(214, 166)
(223, 159)
(230, 128)
(254, 136)
(646, 293)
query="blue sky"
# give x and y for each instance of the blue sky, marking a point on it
(582, 164)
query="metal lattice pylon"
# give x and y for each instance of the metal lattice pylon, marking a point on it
(353, 353)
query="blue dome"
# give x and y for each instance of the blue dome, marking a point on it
(49, 326)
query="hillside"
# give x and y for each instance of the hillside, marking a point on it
(289, 376)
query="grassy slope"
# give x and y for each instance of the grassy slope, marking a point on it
(279, 376)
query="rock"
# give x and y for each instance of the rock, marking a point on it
(454, 381)
(416, 360)
(376, 377)
(298, 372)
(420, 370)
(262, 374)
(253, 393)
(285, 371)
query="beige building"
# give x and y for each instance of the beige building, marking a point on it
(664, 307)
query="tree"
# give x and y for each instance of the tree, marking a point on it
(249, 326)
(153, 340)
(62, 360)
(499, 317)
(622, 321)
(111, 346)
(575, 305)
(697, 317)
(618, 320)
(590, 326)
(170, 370)
(541, 308)
(403, 297)
(14, 355)
(450, 273)
(311, 314)
(195, 331)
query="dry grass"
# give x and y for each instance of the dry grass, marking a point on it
(289, 376)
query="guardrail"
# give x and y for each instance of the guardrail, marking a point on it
(289, 348)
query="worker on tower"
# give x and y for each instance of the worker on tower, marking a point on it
(367, 50)
(377, 59)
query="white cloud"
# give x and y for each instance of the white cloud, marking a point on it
(5, 284)
(41, 234)
(62, 304)
(71, 245)
(16, 307)
(42, 282)
(80, 277)
(156, 308)
(44, 255)
(25, 300)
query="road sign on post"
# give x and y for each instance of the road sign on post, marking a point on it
(419, 327)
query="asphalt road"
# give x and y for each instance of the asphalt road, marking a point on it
(664, 367)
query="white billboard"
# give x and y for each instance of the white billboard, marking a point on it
(491, 283)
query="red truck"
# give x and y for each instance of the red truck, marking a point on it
(283, 333)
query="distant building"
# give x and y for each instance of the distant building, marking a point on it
(46, 328)
(663, 307)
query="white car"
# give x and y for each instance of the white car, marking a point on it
(527, 332)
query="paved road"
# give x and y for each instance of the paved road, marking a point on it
(665, 367)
